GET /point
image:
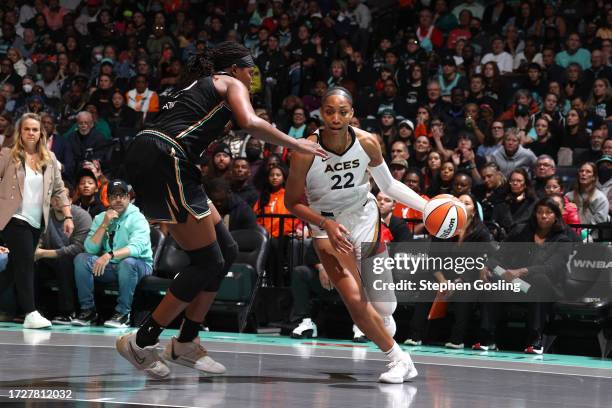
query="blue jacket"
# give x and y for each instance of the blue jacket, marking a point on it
(131, 230)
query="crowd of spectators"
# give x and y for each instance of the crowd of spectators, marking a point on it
(507, 102)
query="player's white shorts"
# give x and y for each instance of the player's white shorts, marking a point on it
(363, 222)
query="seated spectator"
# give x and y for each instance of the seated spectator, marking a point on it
(298, 123)
(592, 204)
(399, 150)
(49, 83)
(442, 183)
(477, 93)
(19, 63)
(575, 134)
(253, 150)
(492, 191)
(141, 98)
(6, 129)
(308, 281)
(434, 162)
(497, 55)
(523, 106)
(405, 133)
(474, 231)
(312, 101)
(241, 181)
(118, 249)
(221, 163)
(413, 179)
(494, 139)
(512, 155)
(544, 169)
(100, 124)
(103, 95)
(398, 168)
(544, 269)
(34, 104)
(8, 74)
(85, 142)
(570, 216)
(542, 139)
(422, 148)
(87, 194)
(234, 211)
(121, 118)
(465, 159)
(604, 182)
(593, 153)
(57, 144)
(271, 203)
(7, 93)
(387, 125)
(600, 101)
(574, 53)
(449, 78)
(394, 229)
(55, 256)
(517, 204)
(599, 69)
(95, 166)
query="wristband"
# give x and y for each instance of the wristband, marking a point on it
(323, 221)
(68, 218)
(111, 254)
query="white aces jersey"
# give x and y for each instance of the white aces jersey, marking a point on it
(339, 182)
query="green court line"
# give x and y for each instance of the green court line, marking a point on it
(334, 344)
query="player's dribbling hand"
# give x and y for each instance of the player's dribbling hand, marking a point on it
(485, 274)
(310, 147)
(337, 234)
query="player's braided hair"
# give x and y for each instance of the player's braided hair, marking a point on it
(212, 60)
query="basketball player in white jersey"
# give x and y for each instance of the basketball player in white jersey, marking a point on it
(342, 214)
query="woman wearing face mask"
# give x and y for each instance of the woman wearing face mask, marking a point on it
(604, 170)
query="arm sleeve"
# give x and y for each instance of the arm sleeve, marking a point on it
(395, 189)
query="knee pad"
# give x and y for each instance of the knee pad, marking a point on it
(229, 250)
(206, 265)
(385, 308)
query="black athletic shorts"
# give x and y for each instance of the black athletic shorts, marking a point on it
(168, 185)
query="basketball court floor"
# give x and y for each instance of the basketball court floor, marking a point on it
(274, 371)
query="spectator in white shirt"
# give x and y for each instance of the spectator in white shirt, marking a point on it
(502, 58)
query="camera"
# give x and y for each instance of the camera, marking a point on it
(522, 110)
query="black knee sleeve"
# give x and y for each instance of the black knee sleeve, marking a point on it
(205, 267)
(229, 249)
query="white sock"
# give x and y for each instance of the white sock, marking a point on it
(396, 353)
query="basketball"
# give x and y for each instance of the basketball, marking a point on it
(444, 216)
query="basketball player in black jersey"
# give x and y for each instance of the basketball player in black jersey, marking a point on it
(160, 166)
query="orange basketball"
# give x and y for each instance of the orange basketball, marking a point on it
(444, 216)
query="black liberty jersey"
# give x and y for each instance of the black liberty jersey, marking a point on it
(193, 117)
